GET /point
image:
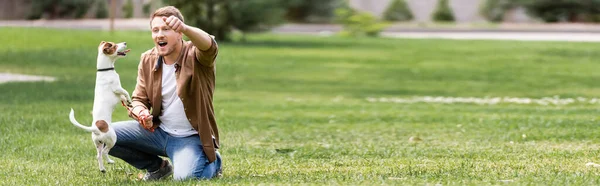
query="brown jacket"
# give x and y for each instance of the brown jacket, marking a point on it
(195, 87)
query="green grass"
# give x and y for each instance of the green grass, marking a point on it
(294, 110)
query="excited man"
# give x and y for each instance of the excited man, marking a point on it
(173, 98)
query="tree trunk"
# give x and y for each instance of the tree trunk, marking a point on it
(113, 11)
(210, 14)
(54, 13)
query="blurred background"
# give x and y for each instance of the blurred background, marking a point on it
(354, 17)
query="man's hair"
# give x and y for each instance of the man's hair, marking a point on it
(166, 12)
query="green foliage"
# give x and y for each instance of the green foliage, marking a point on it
(443, 12)
(398, 10)
(208, 15)
(128, 9)
(101, 9)
(565, 10)
(546, 10)
(357, 24)
(219, 17)
(146, 9)
(494, 10)
(57, 9)
(312, 11)
(256, 15)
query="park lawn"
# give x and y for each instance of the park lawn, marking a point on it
(299, 110)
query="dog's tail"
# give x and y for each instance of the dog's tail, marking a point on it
(77, 124)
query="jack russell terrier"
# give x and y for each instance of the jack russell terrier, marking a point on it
(108, 93)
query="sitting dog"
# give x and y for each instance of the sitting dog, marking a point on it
(108, 93)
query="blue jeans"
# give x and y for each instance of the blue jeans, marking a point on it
(142, 148)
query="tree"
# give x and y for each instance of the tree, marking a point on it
(256, 15)
(219, 17)
(128, 9)
(311, 10)
(562, 10)
(494, 10)
(101, 9)
(54, 9)
(443, 12)
(398, 10)
(546, 10)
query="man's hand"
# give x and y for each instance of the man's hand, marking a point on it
(175, 24)
(145, 118)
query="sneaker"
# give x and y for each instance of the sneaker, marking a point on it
(219, 173)
(165, 171)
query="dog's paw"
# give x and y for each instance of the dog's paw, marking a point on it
(128, 103)
(126, 100)
(110, 161)
(103, 170)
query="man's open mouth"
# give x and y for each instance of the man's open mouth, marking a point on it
(124, 53)
(162, 43)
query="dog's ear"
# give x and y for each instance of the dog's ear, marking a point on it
(108, 48)
(101, 45)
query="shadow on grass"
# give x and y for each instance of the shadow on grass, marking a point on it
(331, 88)
(570, 53)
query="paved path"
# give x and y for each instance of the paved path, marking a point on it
(522, 32)
(87, 24)
(571, 32)
(516, 36)
(8, 77)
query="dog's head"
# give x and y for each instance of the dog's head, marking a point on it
(113, 50)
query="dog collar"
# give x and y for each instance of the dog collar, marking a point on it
(106, 69)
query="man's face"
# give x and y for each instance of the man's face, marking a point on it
(165, 39)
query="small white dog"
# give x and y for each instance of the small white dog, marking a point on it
(108, 93)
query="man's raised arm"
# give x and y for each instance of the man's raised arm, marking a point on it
(199, 37)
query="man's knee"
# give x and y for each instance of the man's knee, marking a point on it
(189, 167)
(206, 173)
(210, 170)
(185, 162)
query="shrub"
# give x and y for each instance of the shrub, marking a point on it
(358, 24)
(398, 10)
(443, 12)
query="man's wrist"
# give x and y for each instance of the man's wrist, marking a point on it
(138, 110)
(184, 28)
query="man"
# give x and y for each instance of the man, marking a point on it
(173, 99)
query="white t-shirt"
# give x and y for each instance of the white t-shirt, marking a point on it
(173, 118)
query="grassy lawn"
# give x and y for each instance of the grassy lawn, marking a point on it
(299, 110)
